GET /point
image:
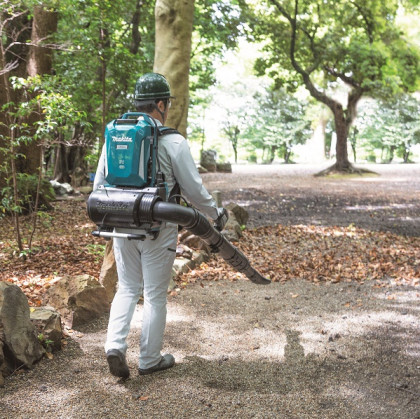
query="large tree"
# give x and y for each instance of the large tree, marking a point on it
(25, 50)
(190, 37)
(327, 44)
(174, 25)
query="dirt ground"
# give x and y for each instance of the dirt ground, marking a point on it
(287, 350)
(290, 195)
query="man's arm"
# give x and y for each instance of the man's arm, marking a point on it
(100, 171)
(190, 181)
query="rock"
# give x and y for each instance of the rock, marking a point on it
(62, 189)
(184, 251)
(239, 212)
(224, 167)
(182, 265)
(193, 241)
(208, 160)
(19, 344)
(108, 277)
(232, 230)
(79, 299)
(85, 190)
(48, 323)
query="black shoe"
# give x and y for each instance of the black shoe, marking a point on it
(167, 361)
(117, 364)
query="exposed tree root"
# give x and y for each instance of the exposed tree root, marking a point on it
(347, 169)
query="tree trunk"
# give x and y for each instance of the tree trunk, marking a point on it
(342, 130)
(44, 25)
(174, 24)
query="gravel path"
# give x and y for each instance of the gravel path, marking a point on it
(295, 350)
(292, 350)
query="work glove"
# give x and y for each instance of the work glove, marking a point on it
(221, 220)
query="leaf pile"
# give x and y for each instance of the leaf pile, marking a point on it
(63, 245)
(319, 254)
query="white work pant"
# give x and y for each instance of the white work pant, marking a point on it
(142, 266)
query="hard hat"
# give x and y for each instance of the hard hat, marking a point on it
(151, 86)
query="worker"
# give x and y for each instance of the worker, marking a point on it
(145, 266)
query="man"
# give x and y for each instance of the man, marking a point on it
(146, 265)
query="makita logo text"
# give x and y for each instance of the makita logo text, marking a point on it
(121, 139)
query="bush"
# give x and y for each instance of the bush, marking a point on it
(252, 158)
(27, 186)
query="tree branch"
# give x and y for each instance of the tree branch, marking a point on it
(135, 33)
(369, 24)
(346, 79)
(317, 94)
(9, 67)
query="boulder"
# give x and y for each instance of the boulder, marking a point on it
(79, 299)
(193, 241)
(3, 369)
(241, 215)
(48, 324)
(225, 167)
(232, 230)
(61, 189)
(208, 160)
(108, 277)
(19, 344)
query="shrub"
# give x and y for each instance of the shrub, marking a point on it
(27, 187)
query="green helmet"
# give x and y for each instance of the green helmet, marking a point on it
(151, 86)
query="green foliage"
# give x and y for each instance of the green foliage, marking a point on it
(98, 250)
(46, 343)
(217, 27)
(359, 44)
(112, 37)
(48, 97)
(278, 124)
(27, 189)
(390, 126)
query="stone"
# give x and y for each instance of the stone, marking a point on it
(48, 324)
(182, 265)
(224, 167)
(19, 344)
(61, 189)
(108, 277)
(208, 160)
(193, 241)
(241, 215)
(79, 299)
(232, 230)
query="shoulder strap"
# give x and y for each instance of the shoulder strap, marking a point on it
(167, 130)
(176, 190)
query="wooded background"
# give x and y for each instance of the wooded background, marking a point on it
(69, 67)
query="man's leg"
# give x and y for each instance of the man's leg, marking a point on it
(157, 260)
(129, 268)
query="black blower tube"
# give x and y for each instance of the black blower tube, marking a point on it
(197, 223)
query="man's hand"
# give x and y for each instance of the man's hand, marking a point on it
(221, 220)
